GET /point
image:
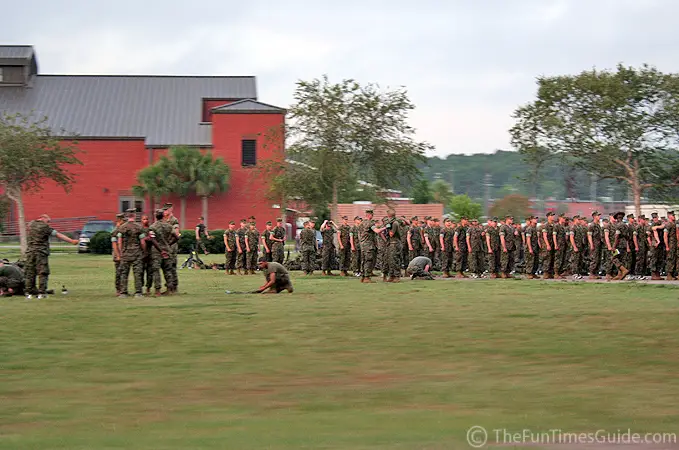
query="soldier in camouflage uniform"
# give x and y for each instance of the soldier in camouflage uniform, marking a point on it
(607, 234)
(414, 238)
(577, 239)
(309, 247)
(252, 247)
(475, 241)
(344, 246)
(277, 238)
(328, 230)
(146, 257)
(493, 247)
(430, 238)
(242, 261)
(355, 241)
(462, 249)
(12, 280)
(620, 246)
(131, 234)
(230, 248)
(508, 247)
(369, 235)
(393, 254)
(595, 240)
(531, 247)
(642, 243)
(670, 239)
(547, 253)
(434, 237)
(174, 248)
(120, 219)
(381, 242)
(267, 244)
(37, 255)
(560, 240)
(631, 255)
(657, 259)
(447, 245)
(163, 235)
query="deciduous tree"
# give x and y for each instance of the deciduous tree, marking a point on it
(462, 205)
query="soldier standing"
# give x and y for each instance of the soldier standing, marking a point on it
(576, 238)
(508, 246)
(657, 259)
(670, 239)
(309, 247)
(201, 231)
(548, 235)
(328, 230)
(116, 250)
(344, 246)
(594, 237)
(252, 247)
(447, 245)
(429, 249)
(405, 248)
(532, 247)
(462, 248)
(354, 240)
(147, 269)
(475, 238)
(37, 255)
(642, 243)
(435, 233)
(230, 248)
(559, 238)
(131, 235)
(620, 246)
(493, 247)
(414, 238)
(174, 248)
(278, 241)
(242, 261)
(368, 235)
(393, 256)
(163, 235)
(267, 242)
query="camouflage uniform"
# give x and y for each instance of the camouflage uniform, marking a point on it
(131, 233)
(657, 259)
(531, 257)
(507, 258)
(231, 256)
(405, 252)
(368, 247)
(580, 239)
(671, 262)
(434, 254)
(620, 248)
(477, 256)
(546, 255)
(174, 251)
(252, 237)
(393, 254)
(200, 228)
(381, 245)
(147, 269)
(242, 261)
(606, 254)
(642, 232)
(266, 235)
(37, 256)
(560, 233)
(328, 250)
(162, 232)
(416, 241)
(307, 240)
(493, 232)
(631, 255)
(277, 250)
(448, 251)
(462, 253)
(12, 277)
(116, 262)
(356, 263)
(345, 251)
(594, 230)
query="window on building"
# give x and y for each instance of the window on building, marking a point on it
(131, 202)
(249, 152)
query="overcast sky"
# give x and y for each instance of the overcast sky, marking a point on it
(467, 64)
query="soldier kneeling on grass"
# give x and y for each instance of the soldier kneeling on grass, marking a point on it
(419, 268)
(277, 278)
(11, 279)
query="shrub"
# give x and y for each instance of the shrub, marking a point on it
(187, 241)
(100, 243)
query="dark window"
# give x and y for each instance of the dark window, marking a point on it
(139, 205)
(249, 152)
(124, 205)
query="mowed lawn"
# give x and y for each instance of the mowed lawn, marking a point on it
(337, 364)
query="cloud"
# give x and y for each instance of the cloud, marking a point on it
(467, 65)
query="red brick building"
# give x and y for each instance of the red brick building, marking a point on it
(124, 123)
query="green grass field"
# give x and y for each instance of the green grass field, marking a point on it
(337, 364)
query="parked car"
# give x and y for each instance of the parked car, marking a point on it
(90, 229)
(319, 239)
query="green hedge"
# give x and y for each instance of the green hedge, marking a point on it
(100, 243)
(187, 241)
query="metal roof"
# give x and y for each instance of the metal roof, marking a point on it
(163, 110)
(16, 51)
(247, 107)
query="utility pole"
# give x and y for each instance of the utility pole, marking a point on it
(488, 185)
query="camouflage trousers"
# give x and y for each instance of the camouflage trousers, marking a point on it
(268, 256)
(435, 256)
(174, 279)
(657, 259)
(532, 262)
(308, 260)
(494, 261)
(448, 259)
(507, 261)
(278, 252)
(477, 261)
(231, 259)
(577, 261)
(641, 266)
(619, 257)
(379, 256)
(405, 253)
(606, 260)
(419, 274)
(137, 266)
(116, 266)
(560, 261)
(547, 258)
(345, 258)
(147, 272)
(327, 257)
(461, 258)
(159, 264)
(201, 245)
(671, 260)
(595, 259)
(368, 256)
(37, 266)
(251, 259)
(356, 260)
(242, 259)
(414, 253)
(393, 260)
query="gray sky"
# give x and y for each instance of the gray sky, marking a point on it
(467, 64)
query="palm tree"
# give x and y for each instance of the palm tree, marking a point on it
(152, 183)
(212, 177)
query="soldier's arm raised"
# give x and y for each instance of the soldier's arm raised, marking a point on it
(63, 237)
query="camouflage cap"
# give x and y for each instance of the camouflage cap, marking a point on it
(427, 217)
(167, 205)
(509, 217)
(232, 222)
(436, 219)
(464, 218)
(369, 211)
(654, 215)
(447, 220)
(158, 211)
(494, 219)
(131, 211)
(414, 218)
(121, 215)
(595, 213)
(630, 216)
(345, 217)
(252, 224)
(475, 219)
(562, 215)
(201, 218)
(243, 221)
(529, 218)
(619, 215)
(670, 213)
(269, 223)
(577, 216)
(550, 214)
(251, 218)
(357, 218)
(278, 219)
(642, 217)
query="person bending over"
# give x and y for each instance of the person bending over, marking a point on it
(277, 278)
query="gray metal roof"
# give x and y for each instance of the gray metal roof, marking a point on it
(248, 107)
(164, 110)
(16, 51)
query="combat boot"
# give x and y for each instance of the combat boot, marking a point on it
(655, 276)
(623, 272)
(239, 272)
(594, 277)
(503, 275)
(396, 280)
(493, 275)
(670, 277)
(446, 274)
(367, 280)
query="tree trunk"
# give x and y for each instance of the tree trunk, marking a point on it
(204, 204)
(636, 193)
(15, 195)
(335, 196)
(182, 211)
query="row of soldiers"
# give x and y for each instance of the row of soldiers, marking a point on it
(242, 245)
(557, 248)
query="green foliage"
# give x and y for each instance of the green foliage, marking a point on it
(187, 241)
(441, 192)
(462, 205)
(422, 192)
(100, 243)
(513, 205)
